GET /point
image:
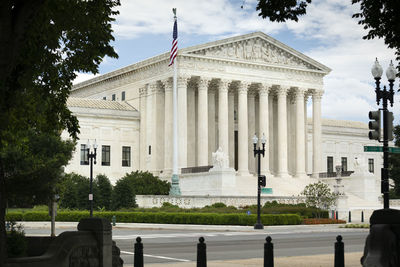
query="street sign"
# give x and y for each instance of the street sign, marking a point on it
(373, 149)
(394, 150)
(266, 190)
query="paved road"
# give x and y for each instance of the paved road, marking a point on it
(178, 243)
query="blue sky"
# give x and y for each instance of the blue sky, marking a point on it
(327, 33)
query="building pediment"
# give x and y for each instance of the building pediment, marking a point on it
(256, 48)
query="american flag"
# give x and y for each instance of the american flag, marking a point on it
(174, 48)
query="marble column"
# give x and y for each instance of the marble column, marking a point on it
(282, 132)
(243, 168)
(251, 129)
(150, 127)
(223, 133)
(264, 125)
(231, 122)
(142, 136)
(305, 132)
(182, 84)
(317, 133)
(202, 120)
(168, 126)
(211, 123)
(300, 152)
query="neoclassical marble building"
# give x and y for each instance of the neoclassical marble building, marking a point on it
(227, 91)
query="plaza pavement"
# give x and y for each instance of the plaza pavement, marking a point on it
(324, 260)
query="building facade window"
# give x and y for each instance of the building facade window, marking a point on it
(126, 156)
(113, 97)
(329, 164)
(344, 164)
(123, 95)
(105, 155)
(371, 165)
(84, 155)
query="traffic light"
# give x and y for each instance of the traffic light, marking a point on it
(374, 125)
(261, 180)
(389, 125)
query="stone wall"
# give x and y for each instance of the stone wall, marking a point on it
(149, 201)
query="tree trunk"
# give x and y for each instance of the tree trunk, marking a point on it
(3, 199)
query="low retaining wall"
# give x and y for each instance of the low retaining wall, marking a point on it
(149, 201)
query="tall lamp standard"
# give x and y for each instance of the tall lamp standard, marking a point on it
(260, 179)
(385, 95)
(91, 158)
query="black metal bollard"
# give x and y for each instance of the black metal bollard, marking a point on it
(339, 252)
(268, 252)
(337, 215)
(138, 256)
(349, 216)
(362, 216)
(201, 253)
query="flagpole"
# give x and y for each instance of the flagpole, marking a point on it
(175, 190)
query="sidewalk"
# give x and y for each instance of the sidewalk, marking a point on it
(351, 260)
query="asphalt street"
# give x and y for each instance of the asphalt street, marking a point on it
(174, 243)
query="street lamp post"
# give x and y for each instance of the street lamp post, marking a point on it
(91, 158)
(385, 95)
(259, 152)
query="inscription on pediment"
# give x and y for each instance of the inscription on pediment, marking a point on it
(255, 50)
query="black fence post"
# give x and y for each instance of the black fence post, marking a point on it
(362, 216)
(268, 252)
(201, 253)
(349, 216)
(339, 252)
(138, 256)
(337, 215)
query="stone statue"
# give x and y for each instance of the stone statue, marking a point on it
(220, 159)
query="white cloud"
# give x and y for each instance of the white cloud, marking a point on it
(217, 17)
(81, 77)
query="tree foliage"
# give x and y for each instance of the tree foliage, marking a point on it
(137, 183)
(43, 43)
(394, 164)
(319, 195)
(102, 192)
(33, 168)
(379, 17)
(74, 191)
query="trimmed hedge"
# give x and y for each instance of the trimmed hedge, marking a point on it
(322, 221)
(162, 217)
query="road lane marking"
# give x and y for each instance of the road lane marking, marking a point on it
(181, 235)
(158, 257)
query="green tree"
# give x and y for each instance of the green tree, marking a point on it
(137, 183)
(102, 192)
(34, 168)
(43, 43)
(74, 191)
(394, 164)
(379, 17)
(319, 195)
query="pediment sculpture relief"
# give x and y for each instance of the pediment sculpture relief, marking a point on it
(256, 50)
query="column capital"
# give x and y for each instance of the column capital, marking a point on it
(299, 93)
(203, 83)
(143, 91)
(243, 87)
(317, 94)
(223, 85)
(183, 79)
(264, 89)
(152, 87)
(168, 83)
(282, 90)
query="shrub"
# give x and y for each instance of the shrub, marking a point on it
(74, 191)
(169, 217)
(218, 205)
(322, 221)
(137, 183)
(102, 192)
(16, 243)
